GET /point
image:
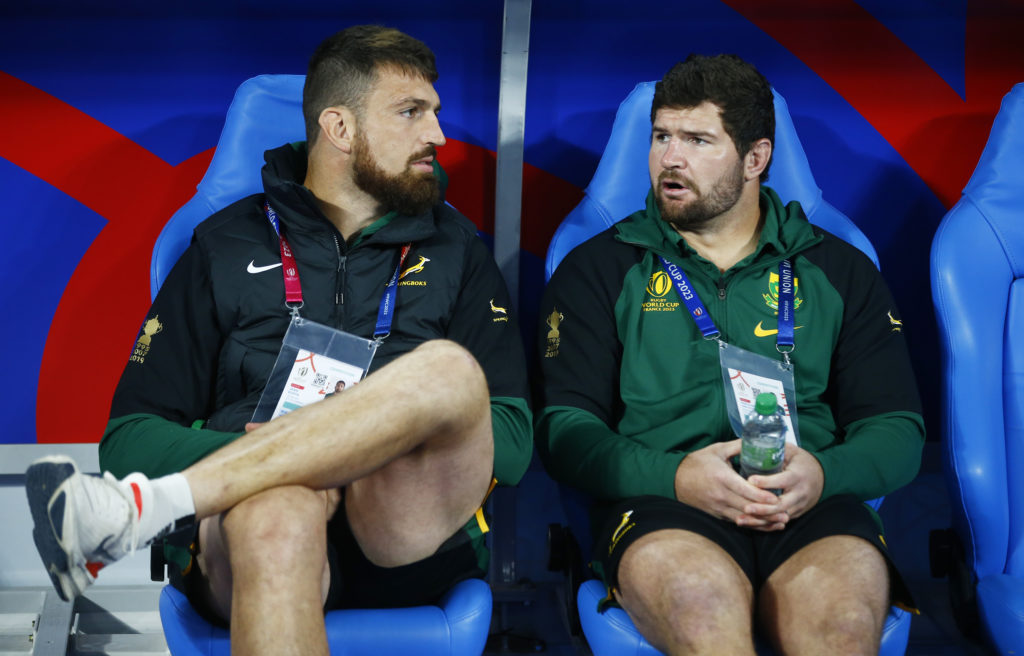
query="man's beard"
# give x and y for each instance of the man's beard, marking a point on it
(702, 210)
(409, 193)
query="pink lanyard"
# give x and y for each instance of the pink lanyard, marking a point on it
(293, 287)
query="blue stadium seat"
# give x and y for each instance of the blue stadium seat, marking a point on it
(977, 266)
(267, 112)
(619, 188)
(452, 627)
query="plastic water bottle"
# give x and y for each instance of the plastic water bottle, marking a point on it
(764, 438)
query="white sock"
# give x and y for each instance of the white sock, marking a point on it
(164, 504)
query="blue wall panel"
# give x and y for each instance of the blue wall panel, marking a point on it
(48, 233)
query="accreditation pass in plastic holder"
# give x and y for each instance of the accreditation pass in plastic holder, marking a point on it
(745, 375)
(315, 362)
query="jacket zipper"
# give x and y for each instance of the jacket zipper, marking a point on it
(339, 292)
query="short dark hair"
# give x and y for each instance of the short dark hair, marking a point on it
(344, 67)
(735, 86)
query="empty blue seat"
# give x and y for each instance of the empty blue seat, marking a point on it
(977, 266)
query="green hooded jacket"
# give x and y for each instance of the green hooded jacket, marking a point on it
(631, 386)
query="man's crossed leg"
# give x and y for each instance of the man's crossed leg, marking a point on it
(411, 445)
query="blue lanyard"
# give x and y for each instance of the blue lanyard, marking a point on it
(700, 314)
(693, 303)
(787, 288)
(386, 311)
(293, 288)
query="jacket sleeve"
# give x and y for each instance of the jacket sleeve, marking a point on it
(169, 447)
(581, 356)
(167, 384)
(483, 321)
(873, 392)
(879, 455)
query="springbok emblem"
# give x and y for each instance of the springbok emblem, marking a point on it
(416, 268)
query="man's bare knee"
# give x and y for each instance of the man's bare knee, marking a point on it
(832, 593)
(685, 594)
(450, 379)
(280, 532)
(277, 524)
(270, 534)
(854, 626)
(451, 365)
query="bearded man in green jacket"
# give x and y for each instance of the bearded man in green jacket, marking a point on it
(640, 380)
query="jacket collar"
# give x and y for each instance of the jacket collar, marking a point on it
(283, 174)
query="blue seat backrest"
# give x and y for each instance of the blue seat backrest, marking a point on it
(977, 263)
(266, 112)
(621, 181)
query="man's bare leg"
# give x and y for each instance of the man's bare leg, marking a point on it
(830, 597)
(269, 552)
(400, 513)
(686, 595)
(434, 396)
(431, 405)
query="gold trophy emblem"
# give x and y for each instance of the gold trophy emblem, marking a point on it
(554, 320)
(150, 328)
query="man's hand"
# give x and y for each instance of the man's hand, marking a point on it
(801, 482)
(253, 425)
(706, 480)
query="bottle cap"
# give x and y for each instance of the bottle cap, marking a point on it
(766, 403)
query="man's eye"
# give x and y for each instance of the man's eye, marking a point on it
(409, 113)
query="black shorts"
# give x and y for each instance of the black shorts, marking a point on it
(358, 583)
(758, 553)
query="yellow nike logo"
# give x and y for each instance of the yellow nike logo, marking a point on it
(761, 332)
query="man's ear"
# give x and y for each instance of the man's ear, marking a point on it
(757, 158)
(338, 125)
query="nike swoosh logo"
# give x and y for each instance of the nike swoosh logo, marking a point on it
(761, 332)
(252, 268)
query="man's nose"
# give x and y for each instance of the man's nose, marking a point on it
(673, 157)
(434, 135)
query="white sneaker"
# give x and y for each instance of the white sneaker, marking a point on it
(82, 523)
